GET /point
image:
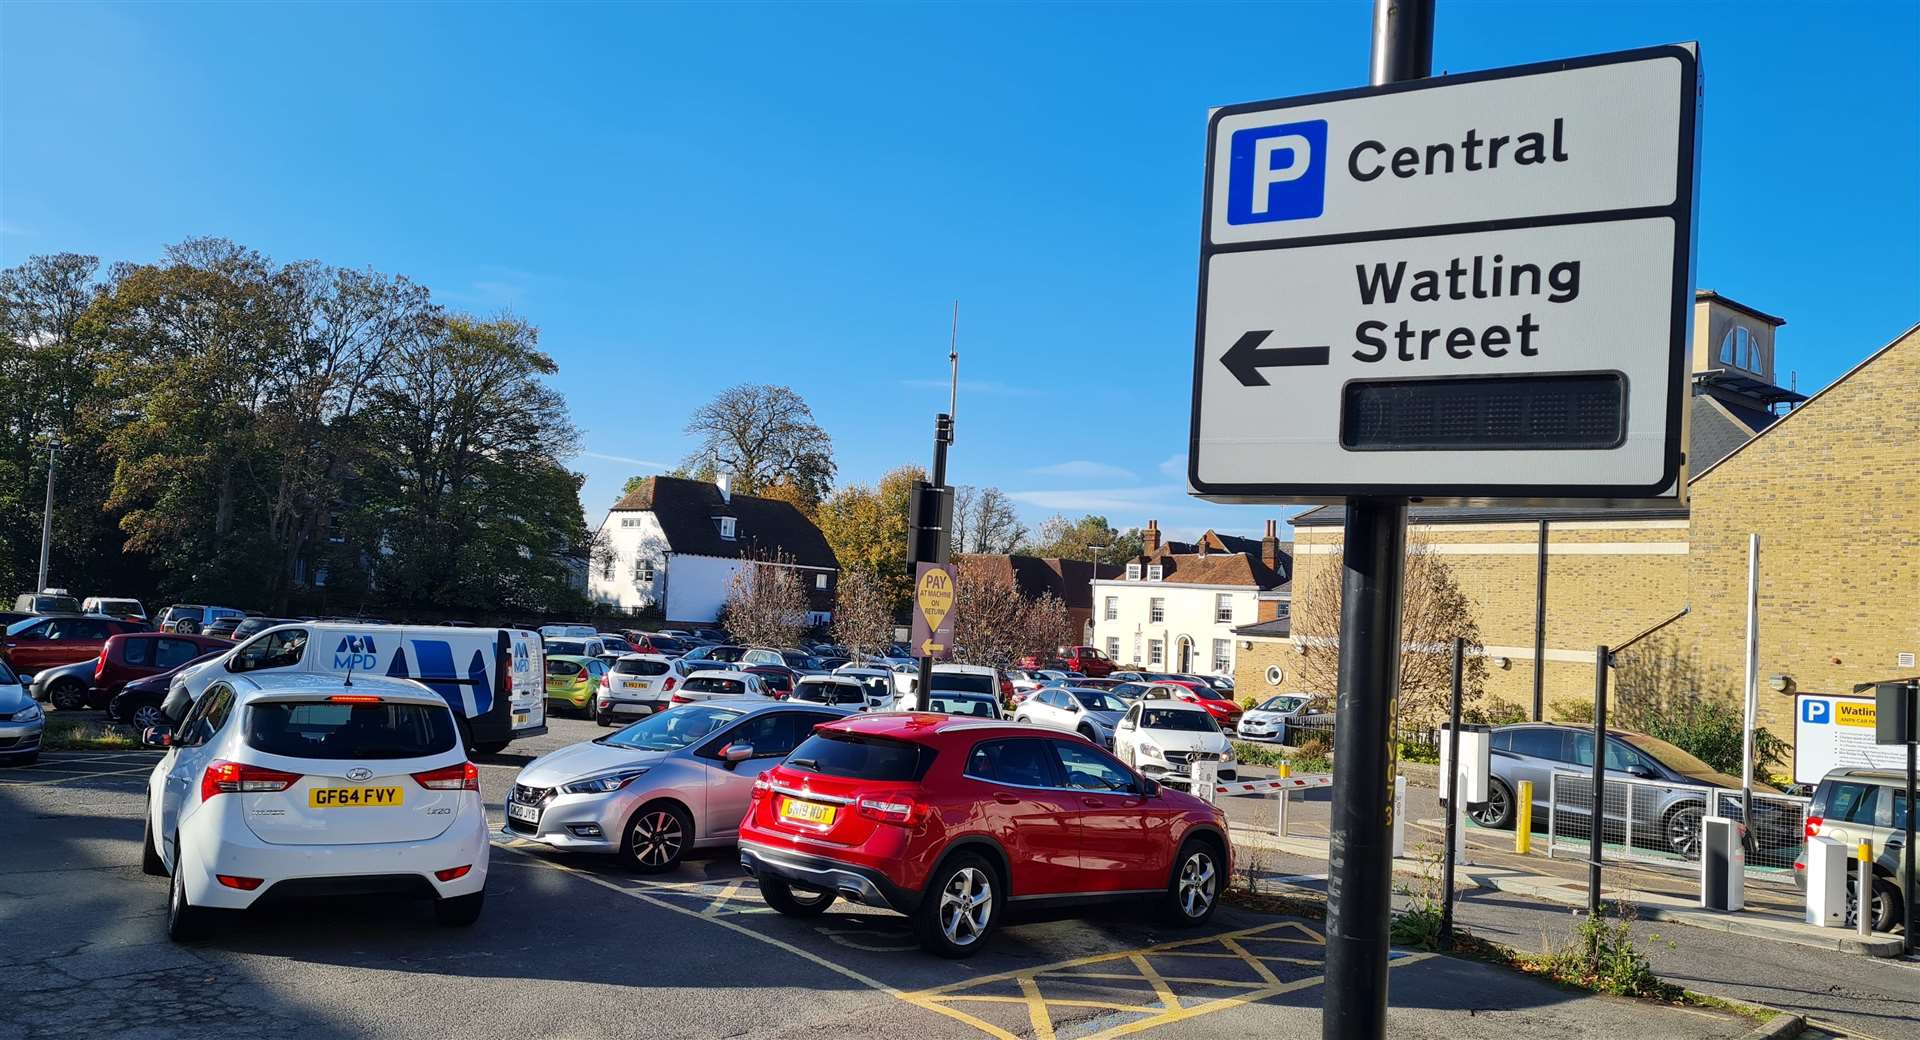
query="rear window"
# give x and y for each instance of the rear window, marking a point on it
(567, 646)
(965, 682)
(861, 758)
(337, 731)
(1849, 801)
(703, 684)
(830, 693)
(562, 668)
(137, 652)
(637, 666)
(962, 706)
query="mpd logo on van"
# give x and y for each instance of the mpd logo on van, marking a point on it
(1277, 173)
(356, 652)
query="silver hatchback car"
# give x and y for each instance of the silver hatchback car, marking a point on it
(670, 783)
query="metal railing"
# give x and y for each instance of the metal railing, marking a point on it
(1658, 823)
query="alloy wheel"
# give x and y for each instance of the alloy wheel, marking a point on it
(147, 716)
(69, 696)
(966, 904)
(1197, 882)
(657, 838)
(1496, 808)
(1683, 833)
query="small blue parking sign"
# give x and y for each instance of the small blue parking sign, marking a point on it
(1817, 712)
(1278, 173)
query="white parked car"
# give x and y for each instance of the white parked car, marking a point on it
(1091, 713)
(288, 785)
(1161, 738)
(706, 686)
(1268, 719)
(636, 686)
(877, 681)
(835, 691)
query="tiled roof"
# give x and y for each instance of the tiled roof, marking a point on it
(1032, 575)
(686, 510)
(1278, 628)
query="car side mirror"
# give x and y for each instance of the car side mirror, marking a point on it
(734, 754)
(1149, 787)
(1125, 724)
(1640, 771)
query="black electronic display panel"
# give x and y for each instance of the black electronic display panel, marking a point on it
(1573, 411)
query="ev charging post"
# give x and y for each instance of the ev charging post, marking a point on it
(1467, 290)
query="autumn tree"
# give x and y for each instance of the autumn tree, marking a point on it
(862, 613)
(1434, 611)
(765, 436)
(766, 603)
(1076, 539)
(866, 526)
(1048, 625)
(996, 625)
(984, 521)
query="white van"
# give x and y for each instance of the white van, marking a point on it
(494, 678)
(960, 678)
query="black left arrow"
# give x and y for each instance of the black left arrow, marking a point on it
(1247, 357)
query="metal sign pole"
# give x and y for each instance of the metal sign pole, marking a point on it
(1596, 816)
(1360, 849)
(1453, 796)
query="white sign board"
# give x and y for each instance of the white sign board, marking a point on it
(1838, 733)
(1469, 289)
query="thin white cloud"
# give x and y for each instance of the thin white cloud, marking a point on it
(628, 460)
(1175, 466)
(1083, 469)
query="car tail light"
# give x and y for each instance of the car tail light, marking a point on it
(453, 873)
(898, 809)
(677, 699)
(100, 666)
(1813, 826)
(1006, 686)
(354, 698)
(244, 884)
(461, 776)
(223, 777)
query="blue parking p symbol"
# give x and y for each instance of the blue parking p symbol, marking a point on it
(1277, 173)
(1816, 712)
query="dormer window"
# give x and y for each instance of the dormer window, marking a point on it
(1156, 572)
(1133, 572)
(726, 527)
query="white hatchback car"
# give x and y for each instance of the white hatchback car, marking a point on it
(284, 785)
(706, 686)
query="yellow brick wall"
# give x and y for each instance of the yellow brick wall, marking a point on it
(1833, 491)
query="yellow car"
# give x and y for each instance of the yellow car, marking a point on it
(572, 682)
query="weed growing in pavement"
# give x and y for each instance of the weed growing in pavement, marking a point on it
(1418, 925)
(1249, 864)
(86, 735)
(1602, 956)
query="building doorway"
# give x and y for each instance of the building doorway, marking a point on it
(1184, 655)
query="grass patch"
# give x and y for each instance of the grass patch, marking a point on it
(87, 735)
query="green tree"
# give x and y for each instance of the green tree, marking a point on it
(867, 528)
(1075, 540)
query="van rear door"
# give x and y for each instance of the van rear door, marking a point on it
(527, 667)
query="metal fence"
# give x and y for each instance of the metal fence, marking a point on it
(1658, 823)
(1302, 728)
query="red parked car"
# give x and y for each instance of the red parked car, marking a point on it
(1224, 709)
(949, 819)
(37, 644)
(779, 679)
(134, 655)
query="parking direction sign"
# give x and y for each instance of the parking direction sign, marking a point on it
(1467, 289)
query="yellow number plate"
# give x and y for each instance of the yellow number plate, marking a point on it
(353, 797)
(808, 812)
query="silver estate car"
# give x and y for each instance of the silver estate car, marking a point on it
(671, 782)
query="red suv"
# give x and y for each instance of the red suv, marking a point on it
(948, 819)
(34, 645)
(1223, 708)
(135, 655)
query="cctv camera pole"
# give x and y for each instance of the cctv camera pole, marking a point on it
(1453, 794)
(1360, 848)
(46, 515)
(932, 506)
(1602, 660)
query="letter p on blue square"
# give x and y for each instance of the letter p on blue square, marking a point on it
(1277, 173)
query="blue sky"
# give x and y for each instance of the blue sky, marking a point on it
(686, 197)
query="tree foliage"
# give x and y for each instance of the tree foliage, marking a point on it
(862, 613)
(994, 624)
(234, 428)
(766, 437)
(766, 603)
(1434, 611)
(1664, 690)
(984, 521)
(867, 529)
(1075, 540)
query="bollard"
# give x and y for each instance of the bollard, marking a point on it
(1863, 890)
(1280, 825)
(1399, 816)
(1286, 769)
(1523, 819)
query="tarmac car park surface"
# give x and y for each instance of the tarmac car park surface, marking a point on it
(573, 946)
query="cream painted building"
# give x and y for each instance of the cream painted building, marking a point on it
(1174, 608)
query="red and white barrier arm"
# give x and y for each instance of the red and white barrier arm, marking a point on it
(1278, 784)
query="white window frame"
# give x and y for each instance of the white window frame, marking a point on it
(1111, 610)
(606, 569)
(1157, 610)
(726, 527)
(1113, 648)
(643, 572)
(1157, 652)
(1223, 608)
(820, 580)
(1133, 572)
(1222, 656)
(1156, 572)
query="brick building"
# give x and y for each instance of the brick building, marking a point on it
(1832, 487)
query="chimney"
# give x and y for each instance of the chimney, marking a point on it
(1270, 546)
(1150, 538)
(724, 481)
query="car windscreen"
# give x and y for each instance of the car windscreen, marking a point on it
(705, 684)
(1669, 755)
(7, 678)
(672, 730)
(962, 706)
(347, 731)
(1175, 719)
(801, 662)
(1282, 703)
(964, 682)
(1096, 700)
(860, 757)
(617, 645)
(729, 654)
(640, 666)
(668, 644)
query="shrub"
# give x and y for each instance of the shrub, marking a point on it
(1419, 924)
(1578, 713)
(1602, 957)
(1497, 713)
